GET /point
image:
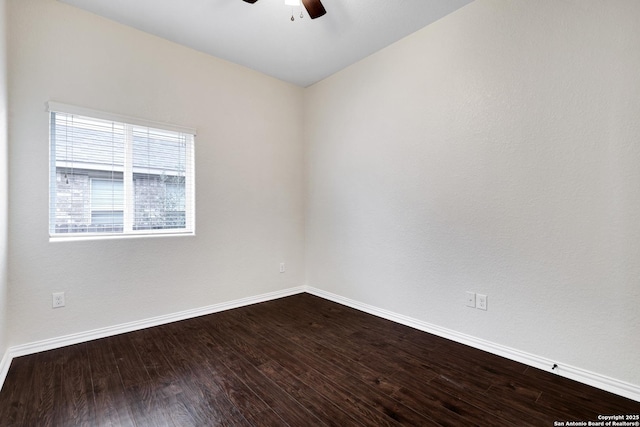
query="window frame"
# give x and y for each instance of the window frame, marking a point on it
(129, 230)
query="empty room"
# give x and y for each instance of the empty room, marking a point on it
(327, 212)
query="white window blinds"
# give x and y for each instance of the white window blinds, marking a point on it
(118, 177)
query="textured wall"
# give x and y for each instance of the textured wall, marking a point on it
(249, 177)
(495, 151)
(4, 175)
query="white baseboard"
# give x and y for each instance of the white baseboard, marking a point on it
(603, 382)
(612, 385)
(57, 342)
(4, 367)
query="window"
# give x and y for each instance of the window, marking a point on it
(107, 204)
(116, 176)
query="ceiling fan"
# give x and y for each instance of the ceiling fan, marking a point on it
(314, 7)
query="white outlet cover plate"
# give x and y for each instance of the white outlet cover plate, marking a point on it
(481, 301)
(57, 299)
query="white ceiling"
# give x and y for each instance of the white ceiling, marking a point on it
(261, 36)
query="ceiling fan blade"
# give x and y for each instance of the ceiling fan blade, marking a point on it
(251, 1)
(314, 7)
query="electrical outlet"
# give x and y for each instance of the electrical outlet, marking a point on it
(282, 269)
(58, 299)
(481, 301)
(471, 299)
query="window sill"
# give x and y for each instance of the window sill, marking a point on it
(85, 237)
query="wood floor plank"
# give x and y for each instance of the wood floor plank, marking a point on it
(46, 388)
(292, 356)
(76, 405)
(486, 373)
(439, 358)
(111, 408)
(349, 400)
(570, 392)
(149, 404)
(321, 407)
(158, 367)
(296, 361)
(202, 393)
(446, 407)
(254, 409)
(128, 362)
(277, 399)
(110, 405)
(15, 392)
(346, 355)
(503, 406)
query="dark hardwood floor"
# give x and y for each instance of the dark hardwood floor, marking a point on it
(297, 361)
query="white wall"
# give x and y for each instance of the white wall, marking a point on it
(495, 151)
(4, 175)
(249, 175)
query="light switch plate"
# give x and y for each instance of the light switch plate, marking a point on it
(471, 299)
